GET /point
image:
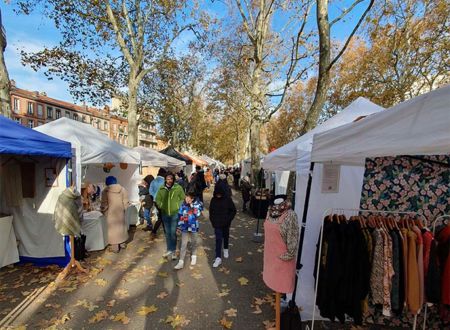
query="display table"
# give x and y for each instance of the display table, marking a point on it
(95, 228)
(132, 214)
(9, 253)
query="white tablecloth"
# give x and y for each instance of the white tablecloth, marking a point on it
(132, 214)
(9, 253)
(96, 230)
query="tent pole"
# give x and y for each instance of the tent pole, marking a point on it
(302, 233)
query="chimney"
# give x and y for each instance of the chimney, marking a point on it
(13, 83)
(35, 93)
(43, 93)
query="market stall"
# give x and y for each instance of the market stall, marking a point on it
(405, 151)
(295, 157)
(33, 173)
(97, 158)
(170, 151)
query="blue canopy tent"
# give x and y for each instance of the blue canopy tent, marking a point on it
(17, 140)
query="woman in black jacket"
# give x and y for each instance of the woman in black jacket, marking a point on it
(221, 212)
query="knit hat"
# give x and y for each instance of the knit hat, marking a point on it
(110, 180)
(222, 176)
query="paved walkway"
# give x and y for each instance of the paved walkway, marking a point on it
(138, 289)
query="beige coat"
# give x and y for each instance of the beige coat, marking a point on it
(114, 205)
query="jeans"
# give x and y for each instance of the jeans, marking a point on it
(221, 234)
(170, 225)
(185, 237)
(148, 217)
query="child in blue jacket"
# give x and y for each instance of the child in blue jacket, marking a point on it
(188, 215)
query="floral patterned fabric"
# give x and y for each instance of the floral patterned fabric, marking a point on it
(407, 184)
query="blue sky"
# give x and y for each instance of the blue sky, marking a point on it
(33, 32)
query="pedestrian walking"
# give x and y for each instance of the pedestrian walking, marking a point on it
(188, 227)
(246, 189)
(156, 184)
(114, 204)
(146, 201)
(169, 199)
(224, 184)
(221, 213)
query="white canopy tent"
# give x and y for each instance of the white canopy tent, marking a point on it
(295, 156)
(420, 126)
(93, 149)
(150, 157)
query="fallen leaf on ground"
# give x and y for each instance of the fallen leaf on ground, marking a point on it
(55, 306)
(259, 301)
(163, 274)
(121, 317)
(269, 325)
(162, 295)
(225, 323)
(224, 292)
(147, 310)
(249, 253)
(243, 281)
(197, 276)
(257, 310)
(122, 293)
(239, 259)
(177, 321)
(86, 304)
(101, 282)
(224, 270)
(100, 316)
(231, 312)
(180, 284)
(111, 303)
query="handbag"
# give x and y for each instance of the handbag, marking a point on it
(80, 249)
(290, 318)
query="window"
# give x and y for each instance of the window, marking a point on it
(17, 120)
(40, 110)
(16, 105)
(30, 123)
(105, 125)
(30, 108)
(83, 119)
(58, 113)
(67, 114)
(49, 112)
(40, 123)
(75, 116)
(114, 127)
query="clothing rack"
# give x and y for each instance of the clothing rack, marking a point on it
(441, 217)
(343, 211)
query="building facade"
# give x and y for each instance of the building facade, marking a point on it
(33, 109)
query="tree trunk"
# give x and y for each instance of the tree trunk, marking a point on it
(133, 85)
(5, 98)
(323, 80)
(255, 131)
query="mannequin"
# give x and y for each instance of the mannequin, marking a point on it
(280, 246)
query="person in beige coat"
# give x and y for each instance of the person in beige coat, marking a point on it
(114, 205)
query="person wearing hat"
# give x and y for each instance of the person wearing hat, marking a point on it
(246, 189)
(221, 213)
(222, 182)
(114, 204)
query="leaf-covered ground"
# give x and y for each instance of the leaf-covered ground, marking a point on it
(138, 289)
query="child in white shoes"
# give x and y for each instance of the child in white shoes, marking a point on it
(188, 215)
(221, 212)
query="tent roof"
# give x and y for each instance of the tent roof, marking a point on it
(150, 157)
(420, 126)
(295, 156)
(196, 160)
(19, 140)
(170, 151)
(96, 147)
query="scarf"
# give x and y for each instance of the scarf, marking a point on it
(67, 213)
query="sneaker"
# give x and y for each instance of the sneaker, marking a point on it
(217, 262)
(167, 254)
(225, 253)
(179, 265)
(193, 260)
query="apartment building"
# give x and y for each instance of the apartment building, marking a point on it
(32, 108)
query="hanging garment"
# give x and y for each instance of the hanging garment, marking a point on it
(376, 277)
(388, 273)
(278, 274)
(12, 185)
(413, 290)
(404, 233)
(395, 291)
(67, 213)
(443, 238)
